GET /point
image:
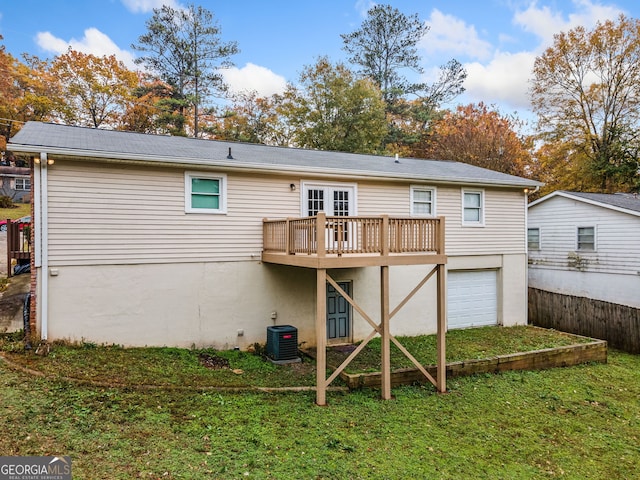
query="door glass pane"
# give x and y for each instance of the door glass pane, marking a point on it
(340, 203)
(315, 202)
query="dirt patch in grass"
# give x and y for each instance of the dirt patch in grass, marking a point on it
(213, 361)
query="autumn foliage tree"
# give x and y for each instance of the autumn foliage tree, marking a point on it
(8, 95)
(332, 109)
(28, 91)
(95, 89)
(144, 112)
(480, 136)
(255, 119)
(585, 92)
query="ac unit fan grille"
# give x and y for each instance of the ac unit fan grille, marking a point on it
(282, 342)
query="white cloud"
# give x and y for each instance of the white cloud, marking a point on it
(453, 36)
(504, 80)
(94, 42)
(254, 78)
(363, 7)
(545, 23)
(144, 6)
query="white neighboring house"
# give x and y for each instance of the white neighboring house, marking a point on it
(586, 245)
(159, 240)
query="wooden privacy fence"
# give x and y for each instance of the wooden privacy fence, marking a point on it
(320, 235)
(18, 243)
(619, 325)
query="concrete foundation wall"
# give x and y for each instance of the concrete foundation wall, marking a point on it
(208, 304)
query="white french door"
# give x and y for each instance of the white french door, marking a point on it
(336, 201)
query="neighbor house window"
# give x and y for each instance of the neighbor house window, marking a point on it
(423, 201)
(23, 184)
(586, 238)
(533, 238)
(472, 207)
(205, 193)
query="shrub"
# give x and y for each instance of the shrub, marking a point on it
(6, 202)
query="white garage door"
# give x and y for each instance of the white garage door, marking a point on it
(472, 298)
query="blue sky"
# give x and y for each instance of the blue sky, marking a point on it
(496, 40)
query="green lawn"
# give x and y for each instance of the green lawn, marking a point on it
(465, 344)
(20, 210)
(575, 423)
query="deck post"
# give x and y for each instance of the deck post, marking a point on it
(288, 247)
(321, 337)
(384, 317)
(384, 234)
(321, 243)
(441, 235)
(441, 377)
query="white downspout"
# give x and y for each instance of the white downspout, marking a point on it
(42, 243)
(526, 250)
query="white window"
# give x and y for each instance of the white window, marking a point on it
(586, 238)
(423, 201)
(473, 207)
(205, 193)
(533, 238)
(23, 184)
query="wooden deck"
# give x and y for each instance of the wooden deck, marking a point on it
(347, 242)
(324, 243)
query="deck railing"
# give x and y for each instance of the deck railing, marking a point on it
(329, 235)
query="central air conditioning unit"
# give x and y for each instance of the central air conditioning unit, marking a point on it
(282, 343)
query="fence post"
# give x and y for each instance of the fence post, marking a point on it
(9, 245)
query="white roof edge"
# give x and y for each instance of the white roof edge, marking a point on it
(137, 158)
(561, 193)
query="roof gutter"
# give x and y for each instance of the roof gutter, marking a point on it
(261, 168)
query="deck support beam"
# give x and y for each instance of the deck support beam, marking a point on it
(385, 334)
(383, 328)
(321, 337)
(441, 289)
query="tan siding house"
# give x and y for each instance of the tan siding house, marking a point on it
(154, 240)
